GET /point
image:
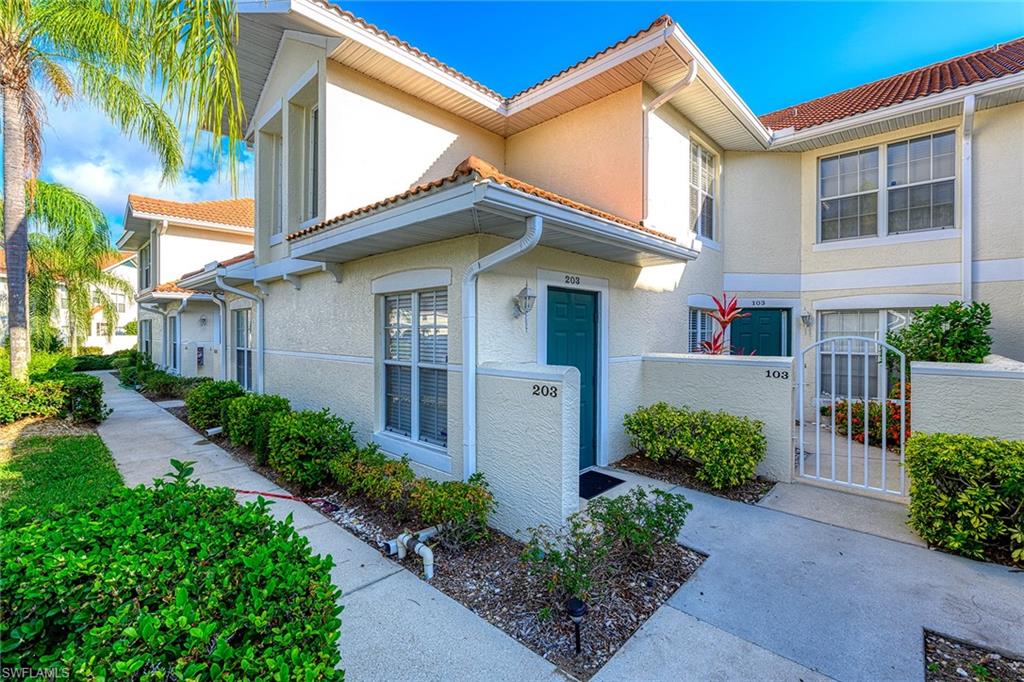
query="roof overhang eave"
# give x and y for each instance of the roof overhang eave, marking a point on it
(625, 244)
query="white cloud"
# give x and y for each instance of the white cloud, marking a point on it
(84, 151)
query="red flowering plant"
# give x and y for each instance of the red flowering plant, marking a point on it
(726, 312)
(851, 413)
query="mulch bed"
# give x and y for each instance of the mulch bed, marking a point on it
(684, 474)
(42, 426)
(950, 659)
(492, 581)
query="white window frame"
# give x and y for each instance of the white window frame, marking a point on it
(278, 169)
(421, 451)
(120, 301)
(932, 181)
(146, 338)
(883, 194)
(146, 265)
(173, 331)
(705, 328)
(311, 172)
(697, 226)
(250, 353)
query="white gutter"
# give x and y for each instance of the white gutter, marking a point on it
(163, 333)
(222, 311)
(530, 239)
(966, 190)
(223, 286)
(684, 82)
(648, 109)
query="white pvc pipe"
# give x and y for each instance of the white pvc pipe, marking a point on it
(530, 239)
(223, 286)
(966, 191)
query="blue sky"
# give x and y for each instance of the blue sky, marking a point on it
(773, 54)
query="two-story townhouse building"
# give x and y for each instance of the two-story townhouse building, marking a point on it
(423, 243)
(180, 329)
(101, 334)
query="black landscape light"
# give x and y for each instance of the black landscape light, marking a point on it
(577, 608)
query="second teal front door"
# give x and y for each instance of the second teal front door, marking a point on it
(764, 332)
(572, 340)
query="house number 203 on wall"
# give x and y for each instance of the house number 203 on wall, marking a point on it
(545, 390)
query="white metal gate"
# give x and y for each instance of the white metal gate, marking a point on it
(847, 432)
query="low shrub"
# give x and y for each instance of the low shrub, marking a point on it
(967, 493)
(945, 333)
(610, 536)
(725, 448)
(158, 384)
(130, 366)
(206, 401)
(462, 508)
(93, 363)
(83, 398)
(301, 444)
(852, 419)
(89, 351)
(246, 421)
(639, 522)
(78, 397)
(177, 581)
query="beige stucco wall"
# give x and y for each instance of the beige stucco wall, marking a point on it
(1006, 299)
(381, 141)
(528, 445)
(591, 154)
(999, 183)
(733, 384)
(982, 400)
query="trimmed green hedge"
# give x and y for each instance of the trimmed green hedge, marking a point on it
(177, 581)
(206, 401)
(160, 385)
(75, 396)
(725, 448)
(302, 443)
(246, 421)
(967, 493)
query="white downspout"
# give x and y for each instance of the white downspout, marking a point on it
(648, 109)
(259, 327)
(163, 334)
(966, 192)
(530, 239)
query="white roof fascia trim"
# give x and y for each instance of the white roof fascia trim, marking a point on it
(585, 72)
(989, 87)
(189, 222)
(333, 21)
(263, 88)
(734, 102)
(565, 217)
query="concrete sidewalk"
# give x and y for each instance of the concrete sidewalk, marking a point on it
(394, 626)
(780, 596)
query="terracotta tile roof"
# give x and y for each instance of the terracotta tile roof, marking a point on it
(236, 212)
(117, 258)
(224, 263)
(477, 169)
(992, 62)
(661, 22)
(171, 288)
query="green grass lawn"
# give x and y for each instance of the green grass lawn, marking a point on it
(43, 471)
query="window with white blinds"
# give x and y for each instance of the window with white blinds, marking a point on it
(701, 329)
(416, 365)
(702, 190)
(244, 347)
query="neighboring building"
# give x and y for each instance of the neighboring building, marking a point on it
(118, 338)
(405, 214)
(181, 329)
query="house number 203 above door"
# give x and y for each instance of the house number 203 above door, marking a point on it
(545, 391)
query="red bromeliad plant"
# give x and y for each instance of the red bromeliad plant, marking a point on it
(727, 311)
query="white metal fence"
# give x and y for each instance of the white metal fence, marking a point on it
(837, 441)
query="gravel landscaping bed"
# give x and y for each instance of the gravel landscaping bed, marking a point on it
(950, 659)
(491, 579)
(683, 473)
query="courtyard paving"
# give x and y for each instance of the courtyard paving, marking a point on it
(780, 597)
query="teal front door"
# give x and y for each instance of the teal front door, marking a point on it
(764, 332)
(572, 340)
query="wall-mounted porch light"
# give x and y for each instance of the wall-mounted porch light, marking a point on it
(807, 318)
(523, 303)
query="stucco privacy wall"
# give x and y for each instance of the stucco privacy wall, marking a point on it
(980, 399)
(528, 442)
(760, 388)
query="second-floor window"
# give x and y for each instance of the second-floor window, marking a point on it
(914, 189)
(120, 302)
(145, 267)
(702, 190)
(312, 157)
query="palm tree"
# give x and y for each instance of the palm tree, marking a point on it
(69, 257)
(108, 54)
